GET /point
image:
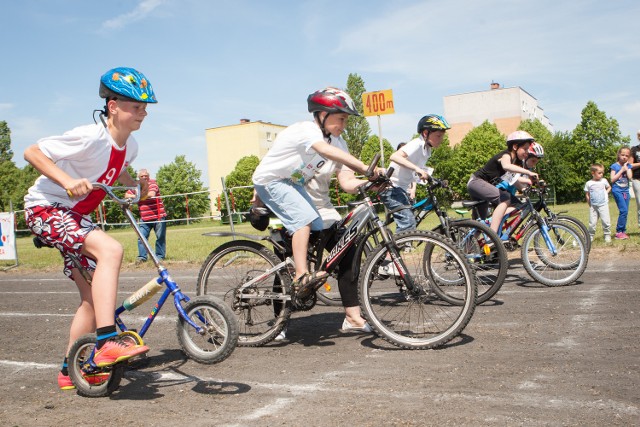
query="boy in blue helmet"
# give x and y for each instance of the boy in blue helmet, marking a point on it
(58, 205)
(408, 164)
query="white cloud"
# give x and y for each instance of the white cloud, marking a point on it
(144, 8)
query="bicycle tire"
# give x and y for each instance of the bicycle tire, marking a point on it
(406, 320)
(79, 353)
(264, 310)
(554, 270)
(579, 225)
(486, 255)
(220, 330)
(331, 297)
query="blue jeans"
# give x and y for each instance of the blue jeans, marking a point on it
(291, 204)
(622, 198)
(160, 229)
(394, 197)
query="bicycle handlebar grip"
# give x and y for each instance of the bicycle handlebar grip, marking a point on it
(373, 165)
(109, 190)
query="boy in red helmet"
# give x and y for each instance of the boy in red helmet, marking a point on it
(296, 156)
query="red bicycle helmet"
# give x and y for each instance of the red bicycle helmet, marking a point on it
(536, 150)
(331, 100)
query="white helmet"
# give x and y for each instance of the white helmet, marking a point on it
(536, 149)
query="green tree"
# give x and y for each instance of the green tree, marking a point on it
(5, 142)
(240, 177)
(182, 177)
(594, 140)
(475, 149)
(543, 136)
(9, 181)
(357, 130)
(372, 147)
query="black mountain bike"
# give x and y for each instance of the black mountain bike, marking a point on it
(401, 307)
(481, 245)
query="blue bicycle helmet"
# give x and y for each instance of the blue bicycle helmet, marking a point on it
(128, 83)
(432, 122)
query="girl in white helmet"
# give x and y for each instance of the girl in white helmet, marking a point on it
(507, 165)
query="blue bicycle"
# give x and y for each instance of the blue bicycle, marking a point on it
(206, 328)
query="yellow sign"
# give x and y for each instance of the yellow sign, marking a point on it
(378, 103)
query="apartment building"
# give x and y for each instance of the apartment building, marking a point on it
(228, 144)
(505, 107)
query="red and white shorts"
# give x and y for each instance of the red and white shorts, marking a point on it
(63, 229)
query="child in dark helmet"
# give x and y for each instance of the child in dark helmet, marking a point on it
(296, 156)
(507, 166)
(408, 164)
(58, 205)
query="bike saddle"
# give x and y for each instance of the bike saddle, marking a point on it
(258, 217)
(472, 203)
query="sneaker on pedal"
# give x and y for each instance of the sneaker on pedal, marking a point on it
(114, 351)
(65, 383)
(388, 268)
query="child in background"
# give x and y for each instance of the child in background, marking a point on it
(536, 152)
(411, 191)
(408, 164)
(502, 167)
(597, 193)
(620, 178)
(58, 206)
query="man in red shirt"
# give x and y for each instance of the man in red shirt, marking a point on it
(153, 216)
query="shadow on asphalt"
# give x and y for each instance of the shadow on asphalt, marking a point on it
(163, 371)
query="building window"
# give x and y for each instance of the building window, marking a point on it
(268, 136)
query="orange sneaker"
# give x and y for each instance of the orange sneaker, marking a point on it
(114, 351)
(65, 383)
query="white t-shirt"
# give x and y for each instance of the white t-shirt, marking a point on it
(292, 156)
(417, 153)
(84, 152)
(319, 186)
(597, 191)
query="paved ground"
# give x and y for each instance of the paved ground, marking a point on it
(534, 356)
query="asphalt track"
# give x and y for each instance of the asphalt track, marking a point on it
(533, 356)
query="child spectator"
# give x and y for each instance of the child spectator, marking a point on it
(597, 191)
(620, 178)
(635, 175)
(58, 205)
(408, 164)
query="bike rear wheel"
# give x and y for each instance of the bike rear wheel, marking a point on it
(566, 266)
(219, 335)
(486, 255)
(422, 320)
(261, 309)
(80, 371)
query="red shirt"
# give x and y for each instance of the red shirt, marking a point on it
(152, 209)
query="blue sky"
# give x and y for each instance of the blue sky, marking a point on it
(212, 63)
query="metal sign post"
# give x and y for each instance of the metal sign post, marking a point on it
(376, 104)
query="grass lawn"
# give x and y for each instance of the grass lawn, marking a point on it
(187, 246)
